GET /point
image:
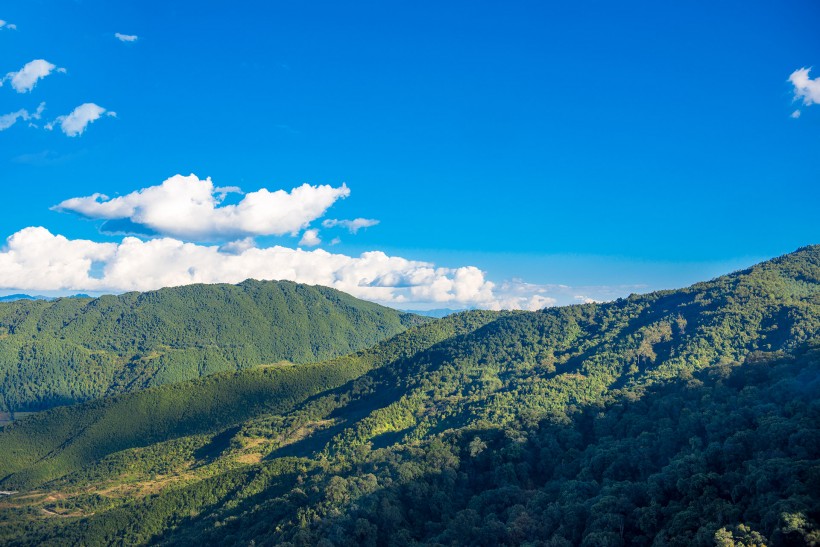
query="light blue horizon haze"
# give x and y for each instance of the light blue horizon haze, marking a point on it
(592, 148)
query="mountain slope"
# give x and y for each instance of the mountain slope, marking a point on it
(75, 349)
(62, 440)
(680, 417)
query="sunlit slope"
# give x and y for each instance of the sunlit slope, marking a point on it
(55, 442)
(75, 349)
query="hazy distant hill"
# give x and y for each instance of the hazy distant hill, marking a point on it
(688, 417)
(15, 297)
(74, 349)
(438, 313)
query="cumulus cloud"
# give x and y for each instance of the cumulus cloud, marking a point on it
(125, 37)
(239, 246)
(7, 25)
(185, 210)
(7, 120)
(75, 123)
(310, 238)
(805, 88)
(352, 226)
(36, 259)
(189, 208)
(27, 77)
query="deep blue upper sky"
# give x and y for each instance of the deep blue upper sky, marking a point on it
(650, 140)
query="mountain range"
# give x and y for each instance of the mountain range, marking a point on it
(74, 349)
(681, 417)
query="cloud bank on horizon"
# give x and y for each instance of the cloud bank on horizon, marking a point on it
(179, 221)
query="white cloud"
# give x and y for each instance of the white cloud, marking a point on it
(126, 37)
(35, 259)
(795, 114)
(352, 226)
(189, 208)
(804, 87)
(7, 120)
(75, 123)
(27, 77)
(310, 238)
(7, 25)
(239, 246)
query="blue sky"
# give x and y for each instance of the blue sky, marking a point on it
(608, 147)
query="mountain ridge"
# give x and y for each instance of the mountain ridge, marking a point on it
(685, 417)
(74, 349)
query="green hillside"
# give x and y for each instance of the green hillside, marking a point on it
(686, 417)
(56, 442)
(76, 349)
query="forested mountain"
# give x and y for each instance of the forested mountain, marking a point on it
(76, 349)
(687, 417)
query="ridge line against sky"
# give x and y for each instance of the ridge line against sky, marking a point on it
(497, 156)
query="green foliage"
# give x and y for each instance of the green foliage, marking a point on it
(732, 459)
(75, 349)
(59, 441)
(685, 417)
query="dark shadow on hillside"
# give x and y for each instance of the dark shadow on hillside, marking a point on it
(219, 443)
(677, 465)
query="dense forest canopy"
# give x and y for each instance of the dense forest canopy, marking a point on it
(76, 349)
(686, 417)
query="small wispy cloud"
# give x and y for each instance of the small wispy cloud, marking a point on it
(126, 37)
(46, 157)
(7, 25)
(805, 88)
(77, 121)
(27, 77)
(7, 120)
(310, 238)
(352, 226)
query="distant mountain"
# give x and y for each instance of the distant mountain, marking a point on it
(686, 417)
(436, 313)
(15, 297)
(74, 349)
